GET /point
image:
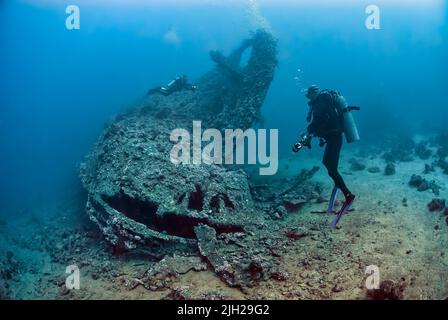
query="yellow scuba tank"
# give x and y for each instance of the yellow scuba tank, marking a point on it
(348, 122)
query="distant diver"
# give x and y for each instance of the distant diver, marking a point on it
(178, 84)
(329, 117)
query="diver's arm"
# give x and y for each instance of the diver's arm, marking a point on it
(320, 113)
(311, 129)
(316, 122)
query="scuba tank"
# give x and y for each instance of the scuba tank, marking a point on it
(348, 122)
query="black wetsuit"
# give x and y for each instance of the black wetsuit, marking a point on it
(326, 124)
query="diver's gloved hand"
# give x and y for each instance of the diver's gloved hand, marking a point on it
(307, 141)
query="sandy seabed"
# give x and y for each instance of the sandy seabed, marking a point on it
(390, 227)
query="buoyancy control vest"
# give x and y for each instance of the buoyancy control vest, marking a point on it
(344, 114)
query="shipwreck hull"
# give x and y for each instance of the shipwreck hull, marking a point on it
(139, 198)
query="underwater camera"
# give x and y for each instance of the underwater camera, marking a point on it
(304, 142)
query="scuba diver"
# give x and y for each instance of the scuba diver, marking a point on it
(178, 84)
(329, 117)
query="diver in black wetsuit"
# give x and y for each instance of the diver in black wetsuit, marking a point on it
(178, 84)
(326, 123)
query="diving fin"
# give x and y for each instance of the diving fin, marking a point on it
(347, 205)
(334, 195)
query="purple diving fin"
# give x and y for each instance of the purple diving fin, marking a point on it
(347, 205)
(334, 195)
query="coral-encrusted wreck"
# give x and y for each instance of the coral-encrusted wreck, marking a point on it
(139, 198)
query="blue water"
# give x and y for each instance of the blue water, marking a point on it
(58, 87)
